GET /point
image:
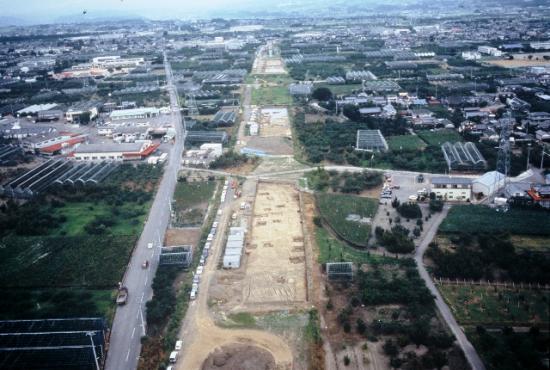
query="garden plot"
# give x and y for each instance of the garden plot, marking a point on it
(275, 267)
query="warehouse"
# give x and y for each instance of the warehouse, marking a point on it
(114, 152)
(136, 113)
(77, 112)
(488, 184)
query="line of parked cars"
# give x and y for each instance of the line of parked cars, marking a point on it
(175, 354)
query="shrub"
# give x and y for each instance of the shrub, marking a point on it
(409, 210)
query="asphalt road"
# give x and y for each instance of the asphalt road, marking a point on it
(469, 351)
(129, 322)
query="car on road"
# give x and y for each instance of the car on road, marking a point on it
(179, 344)
(200, 269)
(193, 295)
(202, 261)
(173, 357)
(196, 279)
(149, 245)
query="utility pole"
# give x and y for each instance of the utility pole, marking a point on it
(542, 157)
(528, 156)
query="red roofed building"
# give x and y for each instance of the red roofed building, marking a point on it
(540, 194)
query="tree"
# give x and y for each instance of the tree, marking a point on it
(322, 94)
(436, 205)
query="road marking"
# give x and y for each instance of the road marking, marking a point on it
(146, 278)
(133, 332)
(128, 355)
(142, 295)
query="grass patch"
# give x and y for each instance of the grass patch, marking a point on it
(405, 142)
(271, 95)
(476, 305)
(531, 243)
(437, 138)
(242, 319)
(482, 219)
(335, 208)
(333, 250)
(190, 199)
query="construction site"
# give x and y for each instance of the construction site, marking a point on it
(273, 272)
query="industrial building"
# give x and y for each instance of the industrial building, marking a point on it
(197, 137)
(77, 111)
(452, 188)
(114, 152)
(488, 184)
(136, 113)
(371, 141)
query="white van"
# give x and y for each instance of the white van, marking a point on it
(179, 343)
(193, 295)
(173, 357)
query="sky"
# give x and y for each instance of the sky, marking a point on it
(49, 10)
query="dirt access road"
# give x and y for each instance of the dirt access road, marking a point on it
(200, 334)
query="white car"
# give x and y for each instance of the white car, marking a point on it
(200, 269)
(179, 343)
(193, 295)
(149, 245)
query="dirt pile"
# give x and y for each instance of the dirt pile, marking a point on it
(239, 357)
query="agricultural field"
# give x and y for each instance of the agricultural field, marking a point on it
(509, 350)
(271, 95)
(478, 218)
(437, 138)
(191, 200)
(335, 208)
(75, 241)
(405, 142)
(489, 305)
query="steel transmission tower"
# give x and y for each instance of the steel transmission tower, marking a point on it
(192, 105)
(504, 150)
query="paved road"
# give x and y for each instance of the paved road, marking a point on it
(129, 322)
(469, 351)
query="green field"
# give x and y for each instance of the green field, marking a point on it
(476, 305)
(334, 208)
(405, 142)
(341, 89)
(191, 200)
(128, 218)
(272, 95)
(333, 250)
(278, 79)
(437, 138)
(482, 219)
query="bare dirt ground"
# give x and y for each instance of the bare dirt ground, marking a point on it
(239, 357)
(272, 275)
(188, 236)
(274, 122)
(271, 145)
(519, 63)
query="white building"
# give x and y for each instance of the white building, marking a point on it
(136, 113)
(471, 55)
(488, 184)
(113, 152)
(489, 50)
(452, 188)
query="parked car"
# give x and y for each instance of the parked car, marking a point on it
(179, 343)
